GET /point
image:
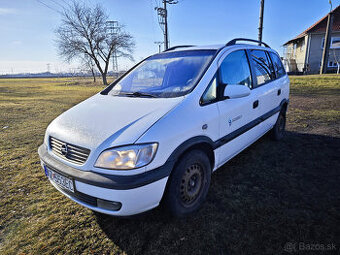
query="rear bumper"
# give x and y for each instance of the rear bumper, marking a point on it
(137, 193)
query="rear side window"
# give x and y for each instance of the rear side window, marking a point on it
(261, 66)
(235, 69)
(278, 67)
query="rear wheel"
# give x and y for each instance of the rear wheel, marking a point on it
(278, 130)
(189, 184)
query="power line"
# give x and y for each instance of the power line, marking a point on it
(48, 6)
(55, 2)
(112, 29)
(163, 20)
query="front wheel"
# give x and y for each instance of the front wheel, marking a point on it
(278, 130)
(189, 184)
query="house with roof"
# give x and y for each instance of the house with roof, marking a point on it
(303, 53)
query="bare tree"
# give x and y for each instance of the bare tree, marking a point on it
(89, 65)
(83, 31)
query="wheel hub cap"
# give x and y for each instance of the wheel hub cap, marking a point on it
(191, 184)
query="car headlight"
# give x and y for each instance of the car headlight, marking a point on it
(127, 157)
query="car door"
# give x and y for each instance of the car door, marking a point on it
(282, 80)
(238, 116)
(266, 87)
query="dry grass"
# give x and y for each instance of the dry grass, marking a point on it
(272, 193)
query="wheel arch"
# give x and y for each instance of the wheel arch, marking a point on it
(284, 106)
(202, 143)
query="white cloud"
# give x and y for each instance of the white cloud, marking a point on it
(4, 11)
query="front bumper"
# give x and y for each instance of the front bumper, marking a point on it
(137, 193)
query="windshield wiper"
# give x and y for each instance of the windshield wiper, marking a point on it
(137, 94)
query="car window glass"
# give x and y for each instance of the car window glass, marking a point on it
(278, 67)
(271, 67)
(151, 73)
(261, 66)
(210, 94)
(168, 74)
(235, 69)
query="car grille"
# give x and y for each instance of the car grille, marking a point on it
(69, 152)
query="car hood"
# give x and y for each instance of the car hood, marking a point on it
(104, 121)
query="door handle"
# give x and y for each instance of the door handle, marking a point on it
(279, 92)
(255, 104)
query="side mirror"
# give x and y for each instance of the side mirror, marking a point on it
(236, 91)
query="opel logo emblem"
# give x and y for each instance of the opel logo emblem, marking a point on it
(64, 149)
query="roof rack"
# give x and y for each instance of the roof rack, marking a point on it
(179, 46)
(233, 42)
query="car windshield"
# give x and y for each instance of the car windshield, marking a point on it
(169, 74)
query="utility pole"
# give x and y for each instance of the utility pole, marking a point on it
(261, 21)
(112, 29)
(327, 43)
(166, 36)
(163, 20)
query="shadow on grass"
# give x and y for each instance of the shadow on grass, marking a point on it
(270, 194)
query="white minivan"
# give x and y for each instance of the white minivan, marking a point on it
(157, 133)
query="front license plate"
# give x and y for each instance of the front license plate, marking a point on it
(60, 180)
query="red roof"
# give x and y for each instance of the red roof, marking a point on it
(320, 26)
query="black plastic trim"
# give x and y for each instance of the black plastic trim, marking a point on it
(84, 198)
(189, 143)
(233, 42)
(118, 182)
(248, 126)
(178, 46)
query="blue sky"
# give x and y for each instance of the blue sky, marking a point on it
(27, 37)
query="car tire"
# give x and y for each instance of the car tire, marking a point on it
(188, 184)
(278, 130)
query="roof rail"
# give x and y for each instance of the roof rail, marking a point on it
(233, 42)
(179, 46)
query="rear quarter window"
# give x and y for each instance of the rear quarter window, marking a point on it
(277, 63)
(262, 67)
